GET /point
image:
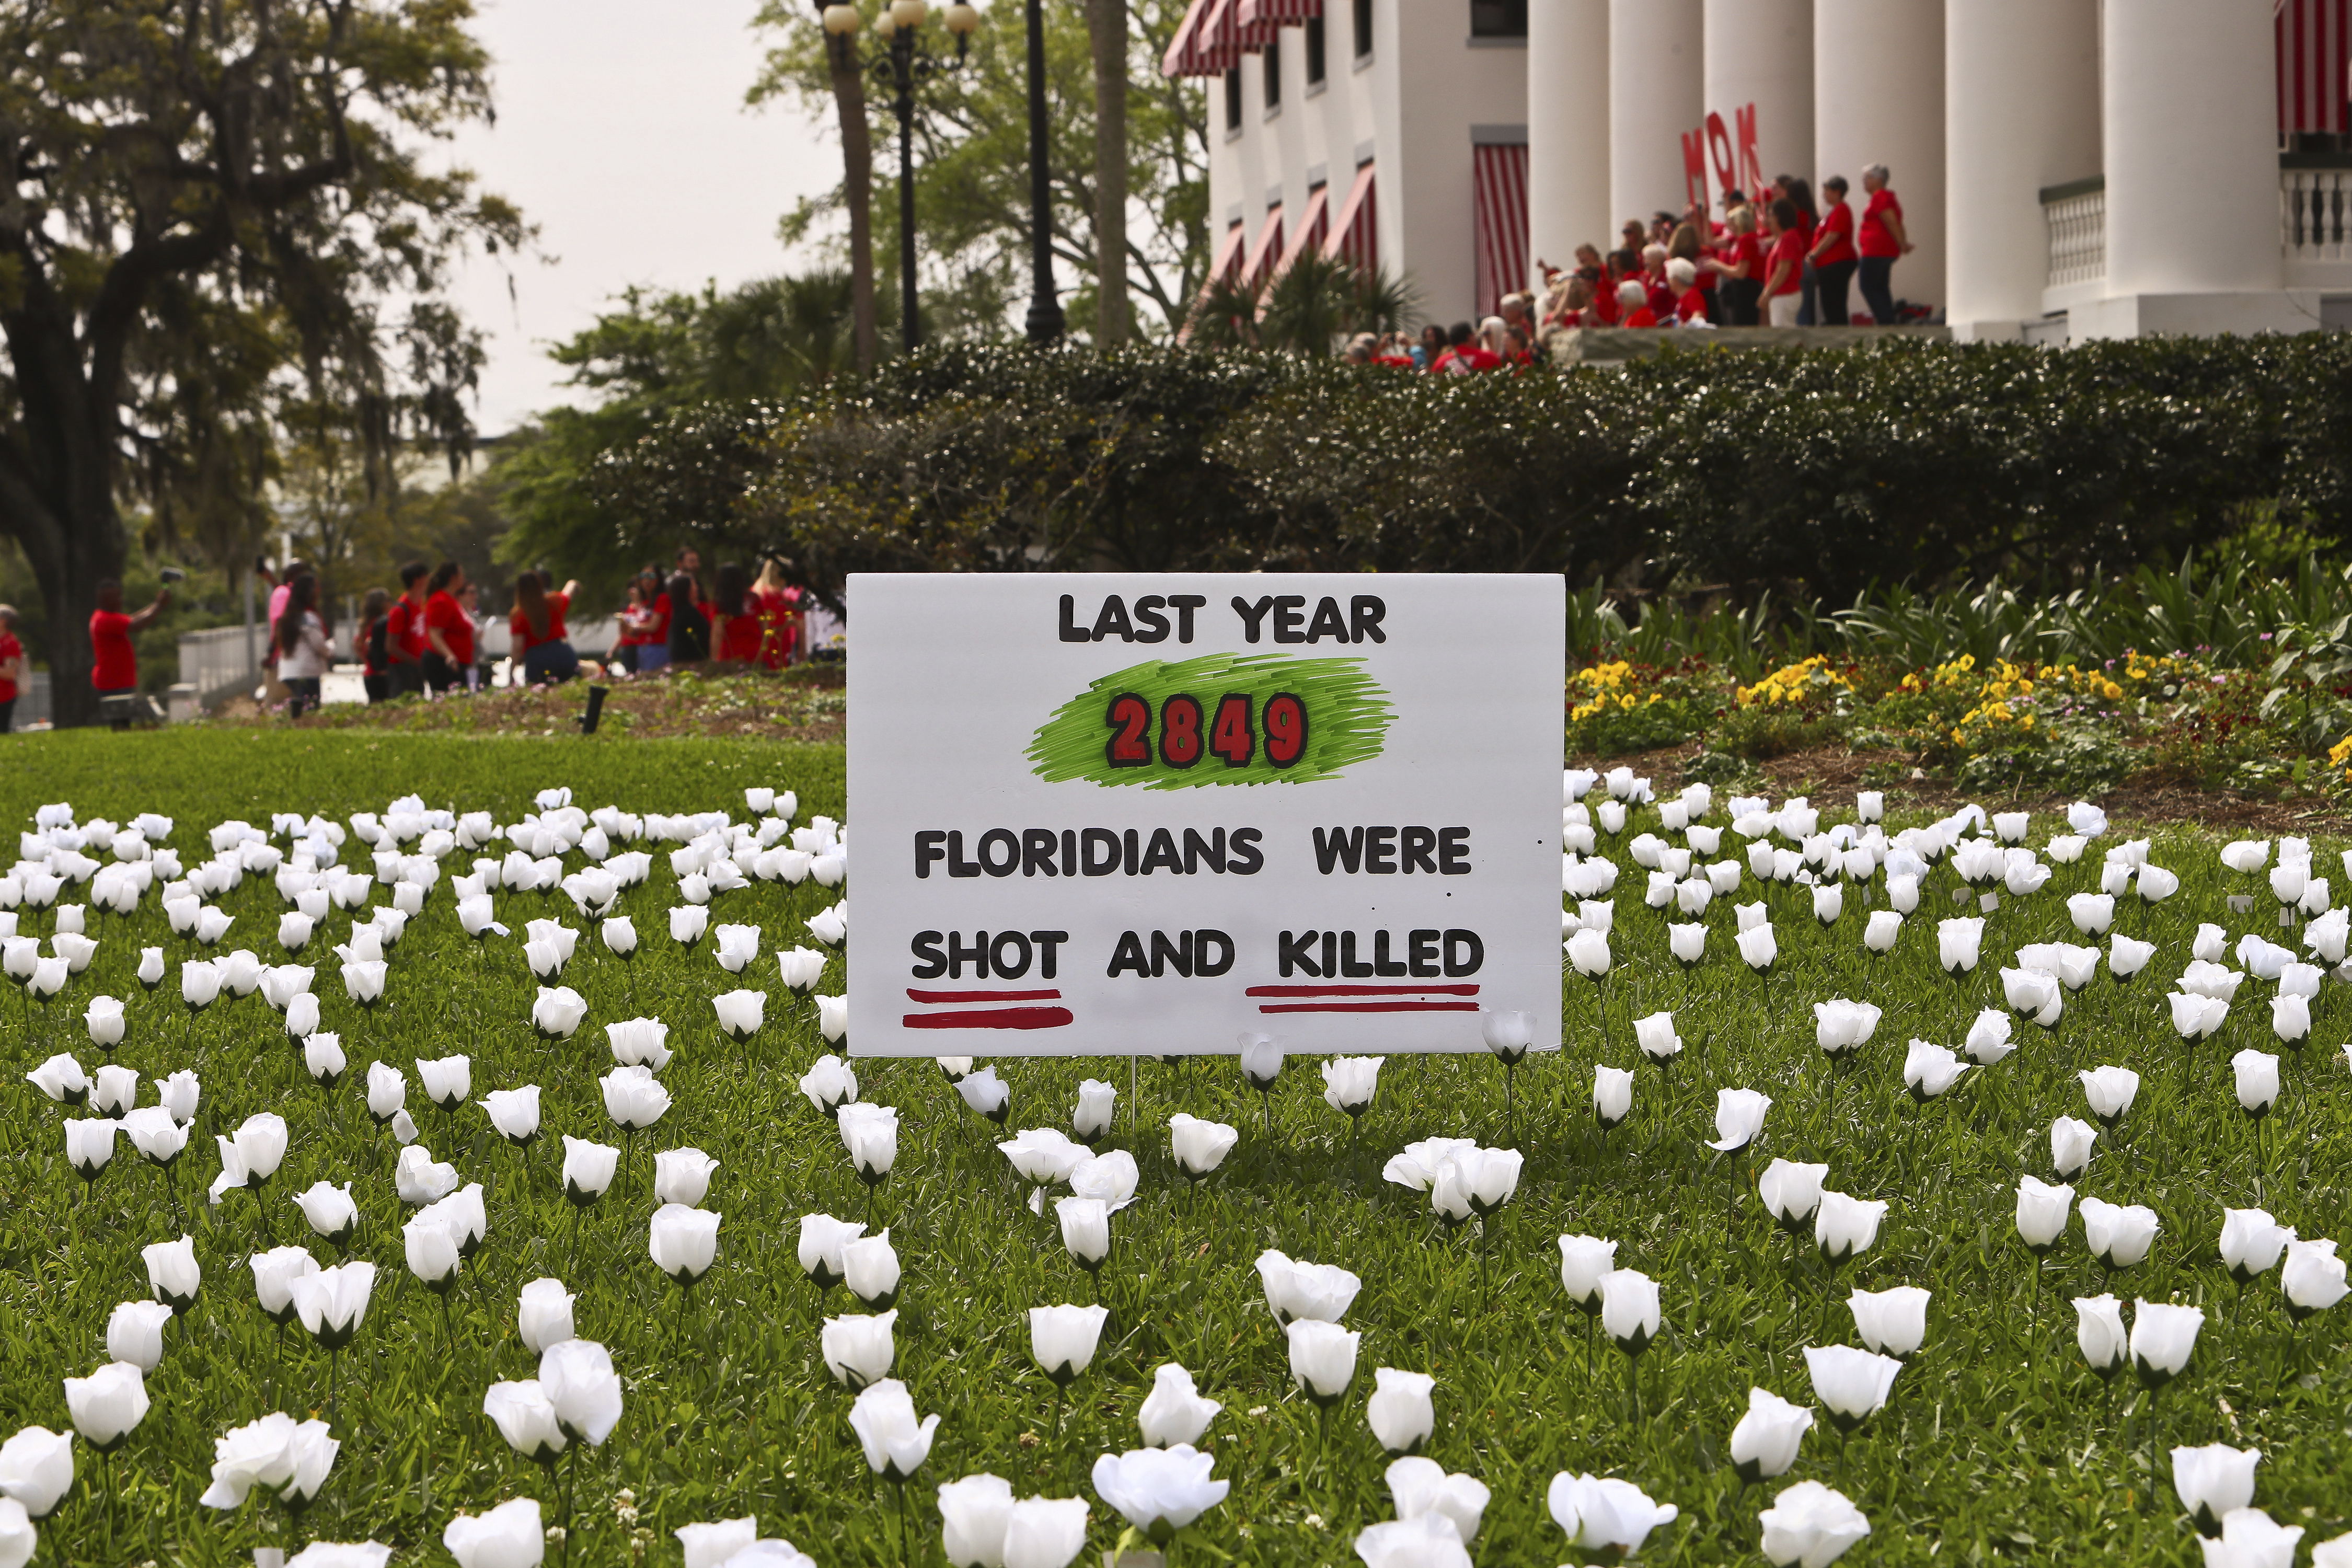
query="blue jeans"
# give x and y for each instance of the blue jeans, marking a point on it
(1877, 292)
(1832, 282)
(549, 662)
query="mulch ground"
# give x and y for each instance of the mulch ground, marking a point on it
(805, 704)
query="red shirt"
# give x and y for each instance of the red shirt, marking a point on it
(1744, 251)
(1466, 358)
(1788, 251)
(518, 626)
(1640, 318)
(781, 631)
(1877, 239)
(739, 641)
(656, 634)
(443, 613)
(1662, 296)
(1838, 229)
(113, 667)
(10, 649)
(1693, 307)
(403, 628)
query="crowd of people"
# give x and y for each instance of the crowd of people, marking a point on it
(426, 639)
(1779, 258)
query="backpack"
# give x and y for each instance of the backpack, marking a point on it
(378, 656)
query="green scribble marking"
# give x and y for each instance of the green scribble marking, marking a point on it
(1347, 716)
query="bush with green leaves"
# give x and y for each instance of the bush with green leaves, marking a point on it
(1806, 475)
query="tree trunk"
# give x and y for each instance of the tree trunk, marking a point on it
(857, 187)
(1107, 22)
(57, 492)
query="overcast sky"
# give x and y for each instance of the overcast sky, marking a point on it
(621, 133)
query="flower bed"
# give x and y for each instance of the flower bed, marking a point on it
(2147, 719)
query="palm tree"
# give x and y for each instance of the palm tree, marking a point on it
(1310, 307)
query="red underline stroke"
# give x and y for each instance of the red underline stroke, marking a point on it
(993, 1018)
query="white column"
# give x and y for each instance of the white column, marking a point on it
(1761, 52)
(1879, 98)
(1654, 97)
(2015, 120)
(1568, 129)
(2192, 130)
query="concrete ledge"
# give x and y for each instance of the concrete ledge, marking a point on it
(2195, 315)
(1614, 345)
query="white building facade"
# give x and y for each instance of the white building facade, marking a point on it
(2068, 169)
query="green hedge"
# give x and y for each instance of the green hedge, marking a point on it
(1812, 472)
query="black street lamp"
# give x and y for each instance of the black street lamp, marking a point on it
(1046, 321)
(899, 26)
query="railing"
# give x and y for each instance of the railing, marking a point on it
(2076, 216)
(2314, 223)
(213, 659)
(2316, 214)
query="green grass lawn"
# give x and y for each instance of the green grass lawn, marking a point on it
(1996, 1445)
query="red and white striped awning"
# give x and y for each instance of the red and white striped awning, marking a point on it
(1212, 39)
(1280, 13)
(1229, 255)
(1355, 235)
(1308, 239)
(1499, 185)
(2314, 37)
(1182, 58)
(1263, 251)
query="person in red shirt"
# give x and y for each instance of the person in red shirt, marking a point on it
(448, 630)
(1465, 353)
(539, 646)
(372, 644)
(735, 629)
(1881, 240)
(1575, 308)
(1656, 292)
(403, 632)
(1690, 302)
(1739, 263)
(780, 603)
(12, 666)
(114, 667)
(653, 652)
(1784, 264)
(1634, 299)
(1689, 243)
(1833, 255)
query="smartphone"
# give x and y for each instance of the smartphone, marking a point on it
(174, 574)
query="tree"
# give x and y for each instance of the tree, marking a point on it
(1108, 30)
(655, 355)
(212, 207)
(972, 183)
(1307, 308)
(845, 79)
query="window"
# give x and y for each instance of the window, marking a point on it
(1272, 65)
(1364, 29)
(1315, 52)
(1499, 18)
(1234, 99)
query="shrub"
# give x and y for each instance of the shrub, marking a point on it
(1816, 472)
